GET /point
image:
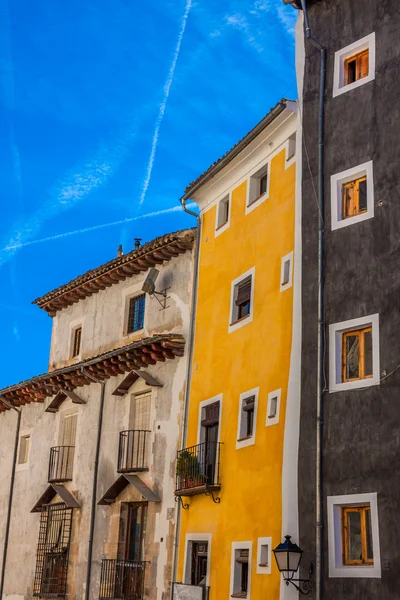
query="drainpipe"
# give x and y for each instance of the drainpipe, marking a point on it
(188, 371)
(10, 496)
(320, 311)
(95, 475)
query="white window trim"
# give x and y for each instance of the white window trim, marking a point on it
(224, 227)
(195, 537)
(336, 566)
(367, 42)
(284, 259)
(335, 353)
(75, 324)
(265, 196)
(204, 403)
(24, 433)
(262, 541)
(250, 441)
(290, 161)
(337, 181)
(238, 324)
(131, 292)
(273, 420)
(241, 546)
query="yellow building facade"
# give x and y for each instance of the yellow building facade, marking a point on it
(229, 474)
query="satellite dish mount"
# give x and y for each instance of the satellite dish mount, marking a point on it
(149, 286)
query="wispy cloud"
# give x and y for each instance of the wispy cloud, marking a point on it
(161, 112)
(15, 246)
(16, 332)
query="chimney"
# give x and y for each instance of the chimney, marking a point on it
(120, 253)
(137, 243)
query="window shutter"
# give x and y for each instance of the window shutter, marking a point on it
(141, 410)
(248, 403)
(244, 292)
(211, 415)
(364, 64)
(362, 195)
(69, 430)
(243, 556)
(348, 199)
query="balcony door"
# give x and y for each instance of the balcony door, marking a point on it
(129, 576)
(67, 441)
(210, 436)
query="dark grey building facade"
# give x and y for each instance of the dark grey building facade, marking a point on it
(360, 276)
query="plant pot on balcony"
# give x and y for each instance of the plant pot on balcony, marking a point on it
(188, 470)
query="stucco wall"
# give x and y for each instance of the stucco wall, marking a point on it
(361, 441)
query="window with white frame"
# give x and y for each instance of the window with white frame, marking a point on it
(354, 65)
(354, 353)
(352, 196)
(247, 421)
(258, 186)
(223, 213)
(291, 147)
(76, 341)
(242, 297)
(241, 570)
(264, 553)
(286, 271)
(273, 407)
(197, 560)
(353, 536)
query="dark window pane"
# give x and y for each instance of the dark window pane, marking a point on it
(354, 544)
(368, 531)
(250, 422)
(263, 184)
(352, 356)
(362, 196)
(368, 353)
(136, 313)
(244, 580)
(351, 71)
(244, 310)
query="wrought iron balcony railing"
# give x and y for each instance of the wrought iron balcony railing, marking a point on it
(122, 580)
(198, 469)
(186, 591)
(61, 464)
(133, 450)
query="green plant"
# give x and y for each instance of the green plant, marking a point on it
(188, 466)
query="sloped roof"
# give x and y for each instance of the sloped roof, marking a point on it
(152, 253)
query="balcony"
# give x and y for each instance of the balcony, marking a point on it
(198, 469)
(122, 580)
(185, 591)
(133, 451)
(61, 464)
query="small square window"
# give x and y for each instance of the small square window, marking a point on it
(286, 272)
(241, 307)
(273, 407)
(352, 196)
(291, 147)
(264, 547)
(247, 418)
(76, 341)
(24, 446)
(223, 212)
(354, 353)
(258, 187)
(354, 65)
(136, 313)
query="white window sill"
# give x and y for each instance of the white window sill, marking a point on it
(353, 86)
(221, 229)
(353, 385)
(238, 324)
(245, 442)
(365, 571)
(256, 202)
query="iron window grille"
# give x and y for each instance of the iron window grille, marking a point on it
(122, 580)
(136, 313)
(53, 551)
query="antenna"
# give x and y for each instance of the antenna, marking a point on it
(149, 286)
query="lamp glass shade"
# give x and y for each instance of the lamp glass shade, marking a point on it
(288, 555)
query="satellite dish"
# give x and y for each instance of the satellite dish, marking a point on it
(149, 284)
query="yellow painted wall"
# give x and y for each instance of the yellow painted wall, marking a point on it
(257, 354)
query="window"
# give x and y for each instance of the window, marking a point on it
(24, 444)
(208, 435)
(352, 196)
(264, 548)
(273, 407)
(257, 187)
(353, 536)
(247, 418)
(223, 214)
(291, 147)
(132, 530)
(242, 293)
(68, 431)
(286, 272)
(354, 353)
(240, 570)
(354, 65)
(136, 313)
(76, 342)
(197, 560)
(357, 535)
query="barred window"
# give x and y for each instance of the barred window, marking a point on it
(136, 313)
(76, 344)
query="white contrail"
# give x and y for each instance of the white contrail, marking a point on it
(102, 226)
(167, 88)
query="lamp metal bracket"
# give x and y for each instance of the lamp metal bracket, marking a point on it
(305, 585)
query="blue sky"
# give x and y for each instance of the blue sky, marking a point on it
(108, 110)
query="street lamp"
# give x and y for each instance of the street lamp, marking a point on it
(288, 556)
